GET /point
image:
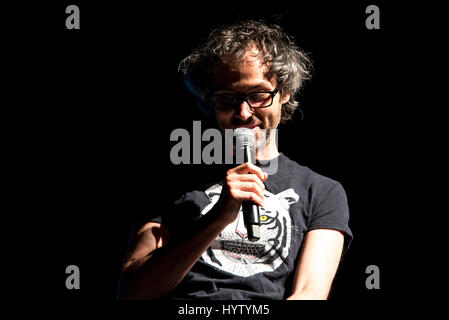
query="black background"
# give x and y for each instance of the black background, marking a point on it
(93, 110)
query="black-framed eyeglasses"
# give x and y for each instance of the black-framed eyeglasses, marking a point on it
(228, 101)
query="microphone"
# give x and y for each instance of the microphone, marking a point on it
(245, 142)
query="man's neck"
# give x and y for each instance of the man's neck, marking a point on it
(269, 151)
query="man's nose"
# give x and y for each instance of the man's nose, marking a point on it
(244, 111)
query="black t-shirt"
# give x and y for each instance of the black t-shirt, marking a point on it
(297, 200)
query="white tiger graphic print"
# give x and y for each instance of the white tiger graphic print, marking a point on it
(234, 253)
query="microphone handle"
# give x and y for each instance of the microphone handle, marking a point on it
(250, 209)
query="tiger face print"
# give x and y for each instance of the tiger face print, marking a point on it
(234, 253)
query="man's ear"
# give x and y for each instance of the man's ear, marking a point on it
(285, 97)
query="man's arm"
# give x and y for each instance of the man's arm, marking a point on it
(155, 267)
(317, 265)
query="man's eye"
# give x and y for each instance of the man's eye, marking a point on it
(259, 97)
(226, 98)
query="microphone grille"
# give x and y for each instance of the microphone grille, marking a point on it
(244, 137)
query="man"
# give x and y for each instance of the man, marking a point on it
(245, 75)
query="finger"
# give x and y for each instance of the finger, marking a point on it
(248, 168)
(241, 195)
(246, 178)
(248, 186)
(265, 176)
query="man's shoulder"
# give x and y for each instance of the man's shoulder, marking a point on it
(309, 179)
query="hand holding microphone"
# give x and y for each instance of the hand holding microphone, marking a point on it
(244, 185)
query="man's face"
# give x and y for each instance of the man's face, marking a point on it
(248, 77)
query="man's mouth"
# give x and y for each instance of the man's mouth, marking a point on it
(254, 127)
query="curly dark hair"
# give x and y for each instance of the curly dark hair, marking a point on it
(284, 60)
